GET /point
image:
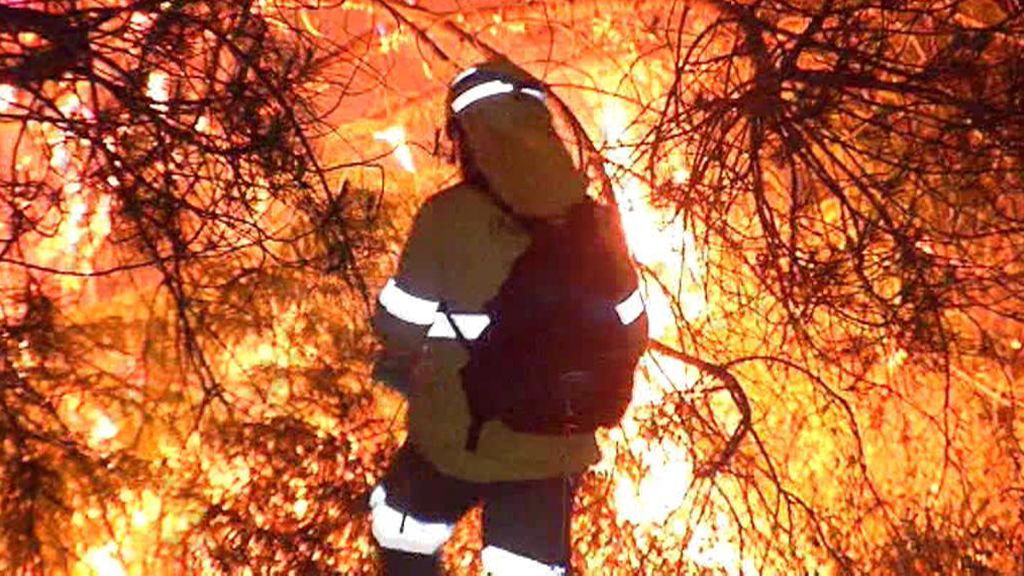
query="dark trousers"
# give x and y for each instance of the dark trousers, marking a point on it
(527, 518)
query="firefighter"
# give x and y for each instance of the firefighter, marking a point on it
(461, 248)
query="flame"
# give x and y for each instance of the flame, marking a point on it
(103, 430)
(395, 136)
(202, 125)
(60, 157)
(102, 561)
(897, 358)
(307, 23)
(77, 209)
(158, 88)
(141, 21)
(7, 97)
(661, 491)
(226, 477)
(69, 104)
(300, 507)
(647, 499)
(390, 41)
(709, 549)
(83, 223)
(649, 496)
(655, 238)
(147, 510)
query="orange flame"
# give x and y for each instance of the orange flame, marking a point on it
(395, 136)
(101, 561)
(7, 97)
(657, 240)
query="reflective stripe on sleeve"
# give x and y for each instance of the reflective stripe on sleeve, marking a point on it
(631, 308)
(396, 530)
(471, 326)
(501, 562)
(407, 307)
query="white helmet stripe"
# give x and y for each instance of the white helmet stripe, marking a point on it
(631, 308)
(463, 75)
(397, 530)
(405, 306)
(479, 92)
(538, 94)
(488, 89)
(501, 562)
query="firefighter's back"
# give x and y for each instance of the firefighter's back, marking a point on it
(476, 244)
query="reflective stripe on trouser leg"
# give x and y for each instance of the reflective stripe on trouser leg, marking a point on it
(395, 530)
(501, 562)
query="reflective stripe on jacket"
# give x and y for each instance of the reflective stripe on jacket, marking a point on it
(460, 251)
(412, 309)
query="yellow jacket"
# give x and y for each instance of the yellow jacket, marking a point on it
(459, 252)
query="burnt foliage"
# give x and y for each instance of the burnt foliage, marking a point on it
(185, 277)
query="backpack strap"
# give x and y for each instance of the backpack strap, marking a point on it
(476, 422)
(528, 223)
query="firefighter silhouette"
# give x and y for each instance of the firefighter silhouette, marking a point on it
(464, 244)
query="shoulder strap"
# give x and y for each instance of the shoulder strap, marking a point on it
(463, 341)
(526, 222)
(476, 423)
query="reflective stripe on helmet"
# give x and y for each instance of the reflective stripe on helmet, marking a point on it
(405, 306)
(396, 530)
(470, 325)
(631, 308)
(538, 94)
(489, 89)
(501, 562)
(479, 92)
(463, 75)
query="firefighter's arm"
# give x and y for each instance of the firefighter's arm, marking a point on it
(408, 304)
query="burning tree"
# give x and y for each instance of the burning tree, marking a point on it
(199, 200)
(165, 216)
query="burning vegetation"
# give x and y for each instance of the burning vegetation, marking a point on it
(199, 200)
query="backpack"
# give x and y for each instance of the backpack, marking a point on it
(556, 358)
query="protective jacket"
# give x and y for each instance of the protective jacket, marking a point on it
(459, 252)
